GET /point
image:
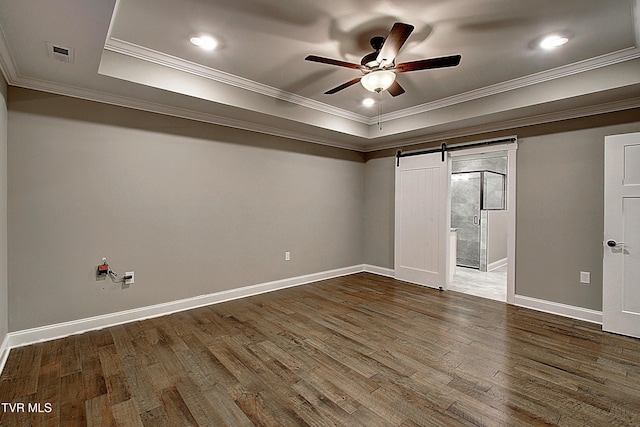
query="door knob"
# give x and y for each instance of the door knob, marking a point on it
(613, 243)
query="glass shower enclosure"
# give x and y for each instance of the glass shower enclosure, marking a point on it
(472, 195)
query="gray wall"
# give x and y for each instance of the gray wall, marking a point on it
(498, 234)
(560, 215)
(559, 225)
(4, 308)
(192, 208)
(379, 212)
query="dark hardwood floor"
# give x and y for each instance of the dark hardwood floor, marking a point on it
(356, 350)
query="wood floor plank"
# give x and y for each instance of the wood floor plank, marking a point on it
(145, 395)
(178, 413)
(251, 392)
(203, 411)
(127, 414)
(326, 409)
(98, 410)
(93, 380)
(22, 375)
(72, 401)
(49, 388)
(225, 407)
(358, 350)
(155, 417)
(114, 374)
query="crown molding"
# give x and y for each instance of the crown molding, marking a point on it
(159, 58)
(519, 83)
(576, 113)
(7, 64)
(136, 104)
(152, 107)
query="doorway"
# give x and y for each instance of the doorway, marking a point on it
(424, 239)
(482, 200)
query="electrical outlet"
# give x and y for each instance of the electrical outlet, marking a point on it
(287, 256)
(585, 277)
(129, 281)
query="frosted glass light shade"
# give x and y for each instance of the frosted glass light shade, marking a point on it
(379, 80)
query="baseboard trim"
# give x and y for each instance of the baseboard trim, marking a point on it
(65, 329)
(565, 310)
(497, 264)
(61, 330)
(380, 271)
(4, 352)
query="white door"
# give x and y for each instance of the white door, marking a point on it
(621, 268)
(422, 220)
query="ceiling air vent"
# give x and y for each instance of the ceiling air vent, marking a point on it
(64, 54)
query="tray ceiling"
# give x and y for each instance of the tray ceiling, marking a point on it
(137, 53)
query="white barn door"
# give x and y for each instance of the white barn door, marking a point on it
(621, 265)
(422, 220)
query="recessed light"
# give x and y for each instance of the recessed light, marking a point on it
(204, 42)
(368, 102)
(553, 41)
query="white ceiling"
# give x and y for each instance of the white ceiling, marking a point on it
(137, 53)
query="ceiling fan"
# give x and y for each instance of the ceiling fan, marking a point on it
(379, 68)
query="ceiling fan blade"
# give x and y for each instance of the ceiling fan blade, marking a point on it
(427, 64)
(395, 89)
(330, 61)
(395, 40)
(343, 86)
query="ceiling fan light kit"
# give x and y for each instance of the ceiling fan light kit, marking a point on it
(378, 80)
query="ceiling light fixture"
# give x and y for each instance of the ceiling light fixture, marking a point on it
(204, 42)
(553, 41)
(368, 102)
(378, 80)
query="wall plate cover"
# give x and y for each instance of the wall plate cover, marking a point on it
(129, 281)
(585, 277)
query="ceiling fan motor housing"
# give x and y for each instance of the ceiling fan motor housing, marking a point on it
(370, 59)
(377, 42)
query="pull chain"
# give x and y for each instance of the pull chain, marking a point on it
(380, 110)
